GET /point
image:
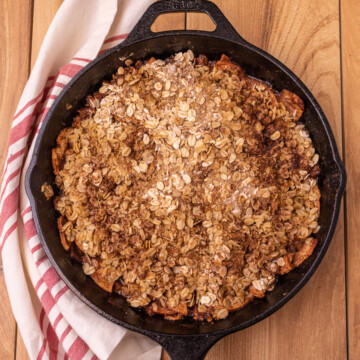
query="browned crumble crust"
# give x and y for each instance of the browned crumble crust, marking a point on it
(187, 186)
(47, 190)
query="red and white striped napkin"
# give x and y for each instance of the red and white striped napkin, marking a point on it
(53, 322)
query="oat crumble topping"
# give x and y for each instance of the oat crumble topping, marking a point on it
(187, 186)
(47, 190)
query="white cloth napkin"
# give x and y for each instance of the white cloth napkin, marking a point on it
(53, 322)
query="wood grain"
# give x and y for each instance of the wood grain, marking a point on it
(305, 36)
(21, 352)
(199, 21)
(43, 14)
(350, 13)
(165, 22)
(15, 25)
(7, 323)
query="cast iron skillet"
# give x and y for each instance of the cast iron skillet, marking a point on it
(182, 339)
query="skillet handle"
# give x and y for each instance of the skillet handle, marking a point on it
(223, 28)
(187, 347)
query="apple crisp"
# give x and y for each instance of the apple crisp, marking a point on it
(187, 186)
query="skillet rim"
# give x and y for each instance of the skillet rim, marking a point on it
(315, 262)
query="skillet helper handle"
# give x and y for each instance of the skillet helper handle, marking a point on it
(223, 28)
(189, 347)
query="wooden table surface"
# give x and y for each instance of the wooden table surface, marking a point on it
(320, 41)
